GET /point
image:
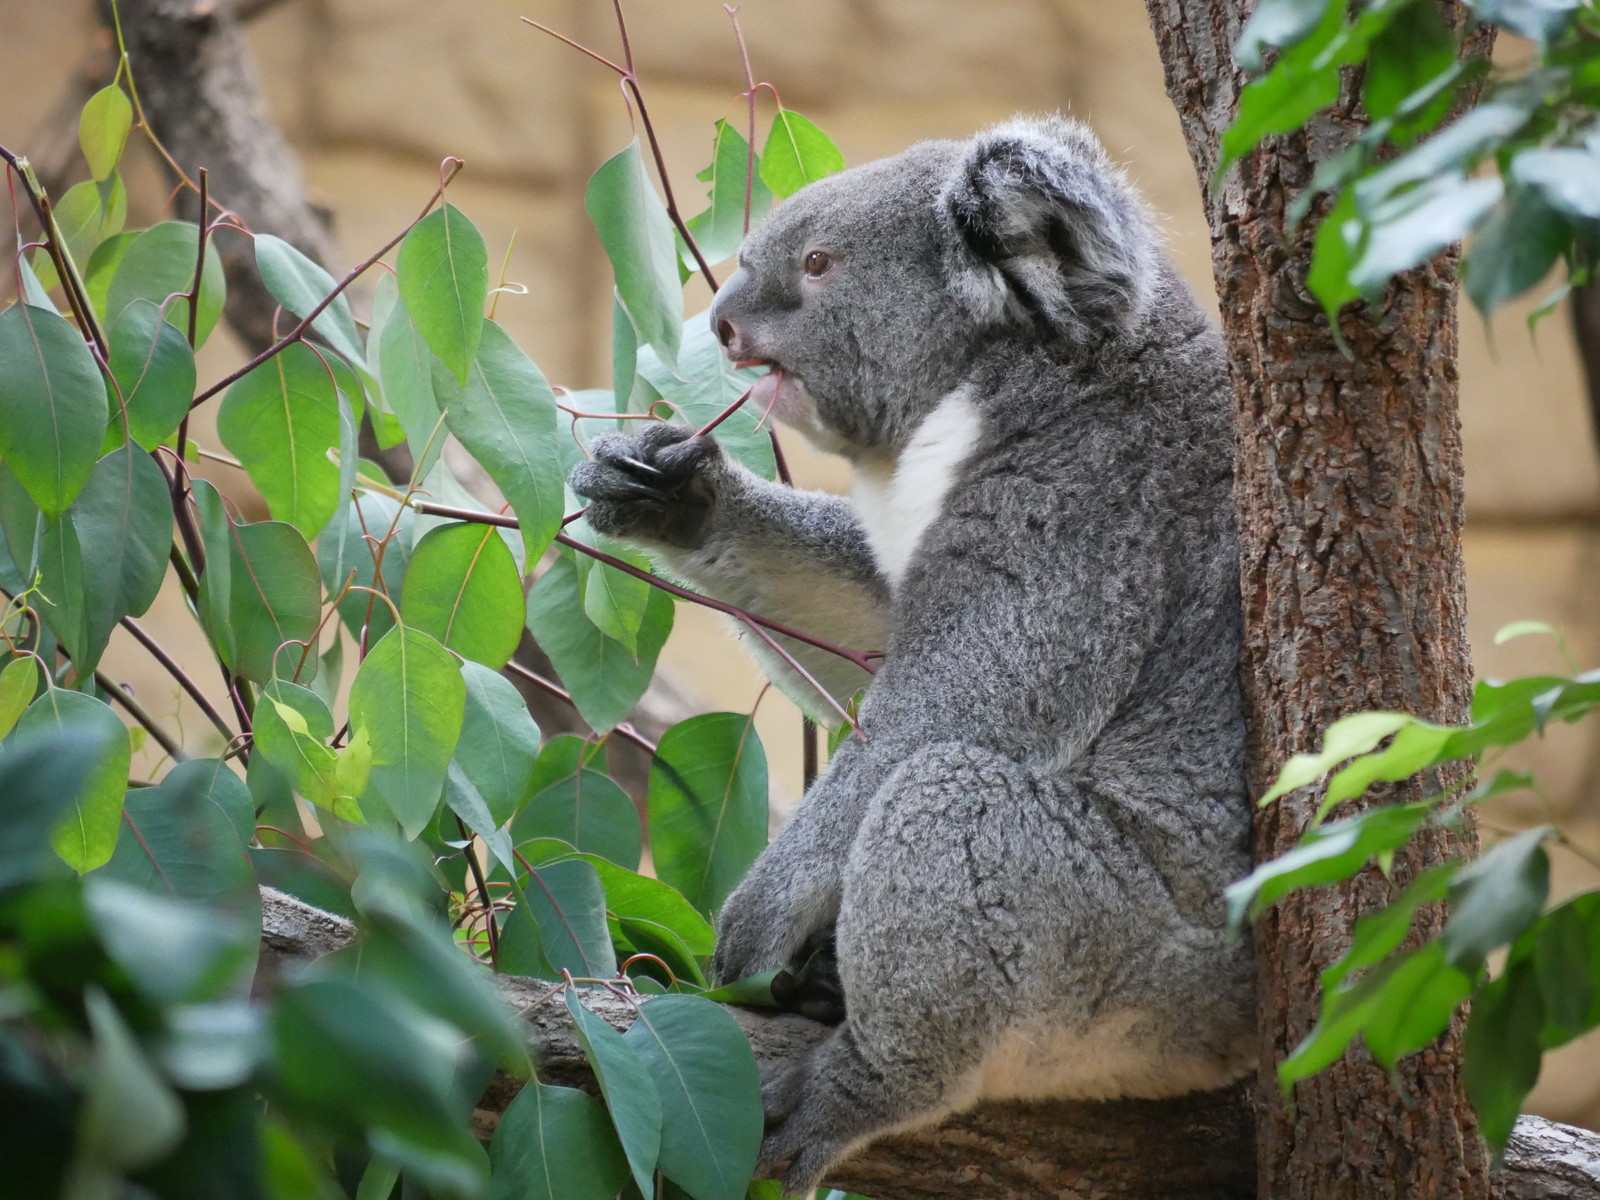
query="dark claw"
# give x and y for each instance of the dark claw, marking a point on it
(645, 490)
(643, 467)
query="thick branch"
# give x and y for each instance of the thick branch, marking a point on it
(1196, 1147)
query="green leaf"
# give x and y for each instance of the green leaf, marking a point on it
(103, 129)
(175, 951)
(159, 263)
(1379, 934)
(719, 230)
(1502, 1055)
(710, 1094)
(130, 1116)
(52, 405)
(1563, 945)
(292, 728)
(1567, 178)
(344, 547)
(299, 284)
(555, 1143)
(1496, 898)
(796, 153)
(624, 353)
(708, 805)
(628, 1090)
(86, 838)
(634, 897)
(580, 806)
(505, 415)
(281, 420)
(1414, 226)
(154, 370)
(443, 274)
(366, 1059)
(638, 238)
(1415, 48)
(1514, 249)
(1414, 747)
(1326, 854)
(462, 587)
(18, 681)
(1345, 738)
(102, 269)
(498, 748)
(187, 836)
(605, 680)
(1415, 1006)
(216, 581)
(43, 769)
(87, 214)
(273, 599)
(405, 366)
(409, 697)
(123, 522)
(1280, 24)
(559, 923)
(1448, 155)
(614, 600)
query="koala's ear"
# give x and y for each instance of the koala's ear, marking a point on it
(1047, 230)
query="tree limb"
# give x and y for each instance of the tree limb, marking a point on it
(1195, 1147)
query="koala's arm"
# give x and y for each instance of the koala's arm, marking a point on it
(795, 557)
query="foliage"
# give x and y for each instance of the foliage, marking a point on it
(1410, 184)
(370, 753)
(1519, 172)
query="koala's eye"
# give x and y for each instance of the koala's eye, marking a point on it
(817, 263)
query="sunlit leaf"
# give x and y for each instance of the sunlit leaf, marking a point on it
(462, 588)
(103, 129)
(796, 153)
(734, 176)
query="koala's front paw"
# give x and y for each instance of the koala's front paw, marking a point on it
(656, 486)
(771, 916)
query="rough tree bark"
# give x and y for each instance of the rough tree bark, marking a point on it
(1197, 1147)
(1349, 494)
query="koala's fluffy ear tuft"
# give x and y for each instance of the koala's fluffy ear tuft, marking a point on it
(1047, 230)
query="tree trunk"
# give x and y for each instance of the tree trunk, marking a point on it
(1349, 496)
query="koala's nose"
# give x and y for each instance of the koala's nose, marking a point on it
(734, 339)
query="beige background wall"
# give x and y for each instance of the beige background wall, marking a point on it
(374, 93)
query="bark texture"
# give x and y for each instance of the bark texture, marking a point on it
(1196, 1147)
(1349, 493)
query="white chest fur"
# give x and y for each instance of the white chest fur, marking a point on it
(897, 501)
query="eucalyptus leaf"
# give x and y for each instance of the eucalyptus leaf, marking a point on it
(443, 275)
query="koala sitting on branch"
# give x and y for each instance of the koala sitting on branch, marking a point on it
(1022, 865)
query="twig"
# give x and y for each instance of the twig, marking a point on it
(159, 653)
(476, 868)
(140, 714)
(623, 729)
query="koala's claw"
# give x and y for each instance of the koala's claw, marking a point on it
(658, 485)
(624, 460)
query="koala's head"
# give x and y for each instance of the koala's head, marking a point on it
(873, 291)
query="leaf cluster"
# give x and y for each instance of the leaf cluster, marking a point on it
(370, 752)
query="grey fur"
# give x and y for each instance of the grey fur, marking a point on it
(1024, 862)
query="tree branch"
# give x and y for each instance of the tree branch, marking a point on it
(1195, 1147)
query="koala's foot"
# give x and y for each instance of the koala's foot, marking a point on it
(655, 486)
(810, 985)
(832, 1102)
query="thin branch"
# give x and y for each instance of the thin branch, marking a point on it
(860, 658)
(140, 714)
(624, 729)
(452, 166)
(579, 47)
(159, 653)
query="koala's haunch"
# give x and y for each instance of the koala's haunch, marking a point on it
(1014, 886)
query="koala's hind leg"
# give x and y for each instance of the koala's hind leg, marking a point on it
(982, 902)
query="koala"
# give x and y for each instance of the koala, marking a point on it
(1012, 887)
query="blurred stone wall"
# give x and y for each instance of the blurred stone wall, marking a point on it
(374, 93)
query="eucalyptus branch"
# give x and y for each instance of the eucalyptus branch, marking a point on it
(55, 247)
(860, 658)
(452, 167)
(622, 729)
